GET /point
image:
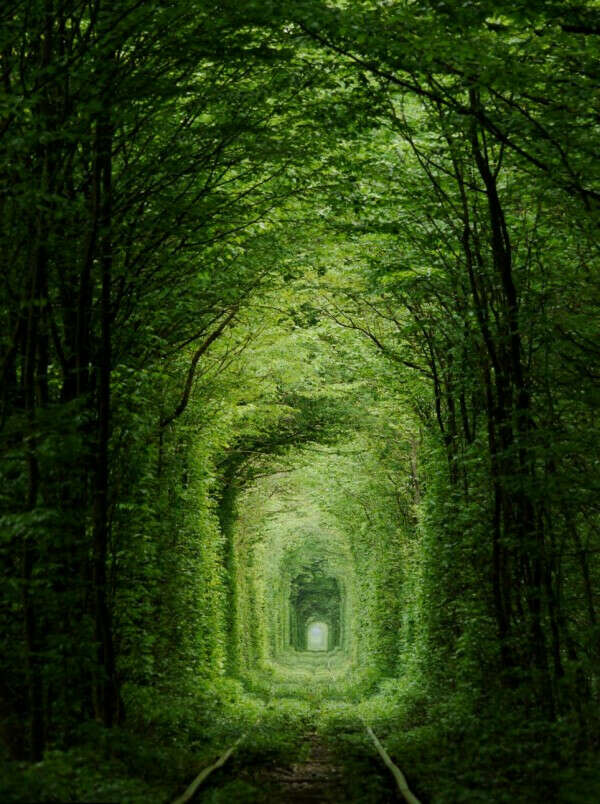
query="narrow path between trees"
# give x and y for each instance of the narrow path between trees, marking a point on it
(319, 776)
(322, 770)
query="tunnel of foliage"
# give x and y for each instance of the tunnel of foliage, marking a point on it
(299, 353)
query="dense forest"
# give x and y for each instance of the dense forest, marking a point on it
(300, 362)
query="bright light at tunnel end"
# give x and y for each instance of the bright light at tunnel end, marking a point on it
(317, 636)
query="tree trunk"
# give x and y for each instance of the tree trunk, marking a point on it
(106, 693)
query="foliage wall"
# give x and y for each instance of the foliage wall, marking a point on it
(286, 283)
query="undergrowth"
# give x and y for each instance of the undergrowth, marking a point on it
(167, 741)
(452, 752)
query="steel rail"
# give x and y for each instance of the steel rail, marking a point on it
(400, 778)
(205, 773)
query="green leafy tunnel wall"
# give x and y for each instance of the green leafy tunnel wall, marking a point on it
(315, 596)
(306, 549)
(299, 323)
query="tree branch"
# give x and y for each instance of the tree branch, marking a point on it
(204, 346)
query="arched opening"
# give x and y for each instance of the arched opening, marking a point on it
(317, 636)
(315, 598)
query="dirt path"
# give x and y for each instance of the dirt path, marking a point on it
(321, 776)
(324, 770)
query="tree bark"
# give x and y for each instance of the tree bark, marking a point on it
(106, 691)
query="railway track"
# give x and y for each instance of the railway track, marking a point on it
(319, 778)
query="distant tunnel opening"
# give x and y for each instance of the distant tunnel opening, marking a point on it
(317, 636)
(315, 610)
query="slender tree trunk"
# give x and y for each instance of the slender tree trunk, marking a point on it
(106, 693)
(519, 509)
(30, 616)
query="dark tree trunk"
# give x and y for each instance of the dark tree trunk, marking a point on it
(106, 693)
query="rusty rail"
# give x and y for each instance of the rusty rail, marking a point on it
(400, 778)
(204, 774)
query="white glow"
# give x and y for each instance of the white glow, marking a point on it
(316, 637)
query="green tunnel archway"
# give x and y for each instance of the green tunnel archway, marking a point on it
(315, 597)
(295, 568)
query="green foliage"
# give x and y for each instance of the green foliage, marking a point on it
(299, 322)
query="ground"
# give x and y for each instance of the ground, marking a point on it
(320, 772)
